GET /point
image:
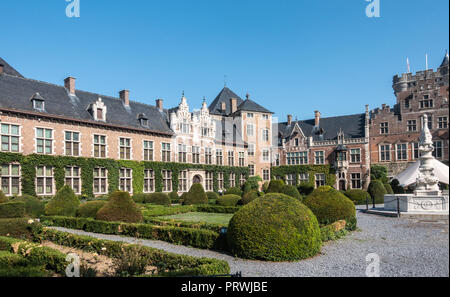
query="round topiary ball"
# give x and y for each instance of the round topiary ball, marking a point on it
(358, 197)
(120, 208)
(65, 203)
(275, 186)
(249, 197)
(291, 191)
(234, 191)
(228, 200)
(330, 205)
(90, 209)
(274, 227)
(196, 195)
(377, 191)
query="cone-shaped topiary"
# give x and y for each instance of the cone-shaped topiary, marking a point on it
(377, 191)
(330, 205)
(274, 227)
(3, 198)
(275, 186)
(90, 209)
(358, 197)
(196, 195)
(233, 191)
(291, 191)
(34, 208)
(388, 189)
(120, 208)
(228, 200)
(65, 203)
(249, 197)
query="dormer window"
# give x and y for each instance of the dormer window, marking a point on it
(38, 102)
(143, 120)
(98, 110)
(99, 113)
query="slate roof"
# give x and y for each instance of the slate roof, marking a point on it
(8, 69)
(250, 105)
(16, 92)
(351, 125)
(445, 61)
(224, 96)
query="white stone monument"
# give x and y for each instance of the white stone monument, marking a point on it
(427, 198)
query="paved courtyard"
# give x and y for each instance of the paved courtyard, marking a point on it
(405, 247)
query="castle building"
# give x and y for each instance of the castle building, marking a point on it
(395, 131)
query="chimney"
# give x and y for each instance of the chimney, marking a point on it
(289, 119)
(2, 67)
(159, 104)
(69, 83)
(125, 96)
(317, 118)
(224, 106)
(233, 105)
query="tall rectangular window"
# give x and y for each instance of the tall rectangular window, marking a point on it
(290, 179)
(208, 156)
(209, 181)
(402, 152)
(412, 125)
(385, 153)
(241, 159)
(251, 149)
(72, 140)
(219, 157)
(251, 170)
(266, 174)
(125, 148)
(232, 179)
(10, 179)
(250, 130)
(319, 157)
(220, 180)
(355, 155)
(415, 146)
(99, 146)
(266, 155)
(167, 180)
(73, 178)
(126, 180)
(196, 155)
(44, 180)
(10, 138)
(384, 128)
(230, 158)
(149, 181)
(265, 135)
(438, 152)
(320, 180)
(356, 180)
(442, 122)
(44, 141)
(100, 181)
(165, 152)
(182, 181)
(241, 179)
(182, 153)
(148, 150)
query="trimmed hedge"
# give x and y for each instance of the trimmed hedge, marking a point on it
(3, 197)
(212, 196)
(274, 227)
(359, 197)
(90, 209)
(157, 198)
(388, 189)
(120, 207)
(168, 264)
(199, 238)
(377, 191)
(19, 271)
(33, 206)
(175, 223)
(305, 188)
(65, 203)
(330, 205)
(22, 228)
(291, 191)
(12, 210)
(275, 186)
(174, 198)
(139, 197)
(196, 195)
(234, 191)
(249, 197)
(228, 200)
(216, 208)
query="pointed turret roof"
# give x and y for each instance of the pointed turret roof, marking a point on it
(445, 61)
(224, 97)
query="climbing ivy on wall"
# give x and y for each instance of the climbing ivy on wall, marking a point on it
(30, 162)
(280, 172)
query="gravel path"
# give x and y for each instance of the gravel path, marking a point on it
(405, 247)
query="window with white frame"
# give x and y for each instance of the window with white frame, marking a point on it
(44, 141)
(251, 149)
(250, 130)
(438, 152)
(415, 147)
(208, 156)
(265, 135)
(355, 155)
(250, 115)
(303, 178)
(182, 181)
(148, 150)
(182, 153)
(426, 102)
(384, 128)
(125, 148)
(100, 180)
(241, 159)
(196, 155)
(165, 152)
(430, 121)
(149, 181)
(167, 180)
(266, 174)
(290, 179)
(44, 180)
(251, 169)
(232, 179)
(219, 157)
(265, 116)
(220, 180)
(10, 135)
(10, 179)
(412, 125)
(442, 122)
(356, 180)
(319, 157)
(99, 146)
(320, 180)
(126, 180)
(266, 155)
(297, 158)
(385, 153)
(230, 158)
(73, 178)
(72, 143)
(184, 126)
(242, 179)
(209, 181)
(402, 151)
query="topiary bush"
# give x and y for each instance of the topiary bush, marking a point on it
(139, 197)
(275, 186)
(174, 198)
(228, 200)
(358, 196)
(305, 188)
(12, 210)
(234, 191)
(252, 184)
(212, 196)
(377, 191)
(34, 208)
(157, 198)
(90, 209)
(396, 188)
(120, 208)
(388, 189)
(3, 197)
(65, 203)
(183, 197)
(21, 228)
(265, 187)
(249, 197)
(291, 191)
(274, 227)
(329, 206)
(196, 195)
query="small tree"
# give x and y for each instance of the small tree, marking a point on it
(65, 203)
(377, 191)
(196, 195)
(379, 172)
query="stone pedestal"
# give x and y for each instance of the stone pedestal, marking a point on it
(424, 203)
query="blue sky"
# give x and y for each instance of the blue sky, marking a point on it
(291, 56)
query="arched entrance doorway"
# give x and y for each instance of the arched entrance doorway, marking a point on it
(342, 185)
(197, 179)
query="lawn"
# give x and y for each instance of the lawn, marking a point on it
(197, 217)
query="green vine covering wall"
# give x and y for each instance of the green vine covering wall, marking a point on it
(28, 171)
(280, 172)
